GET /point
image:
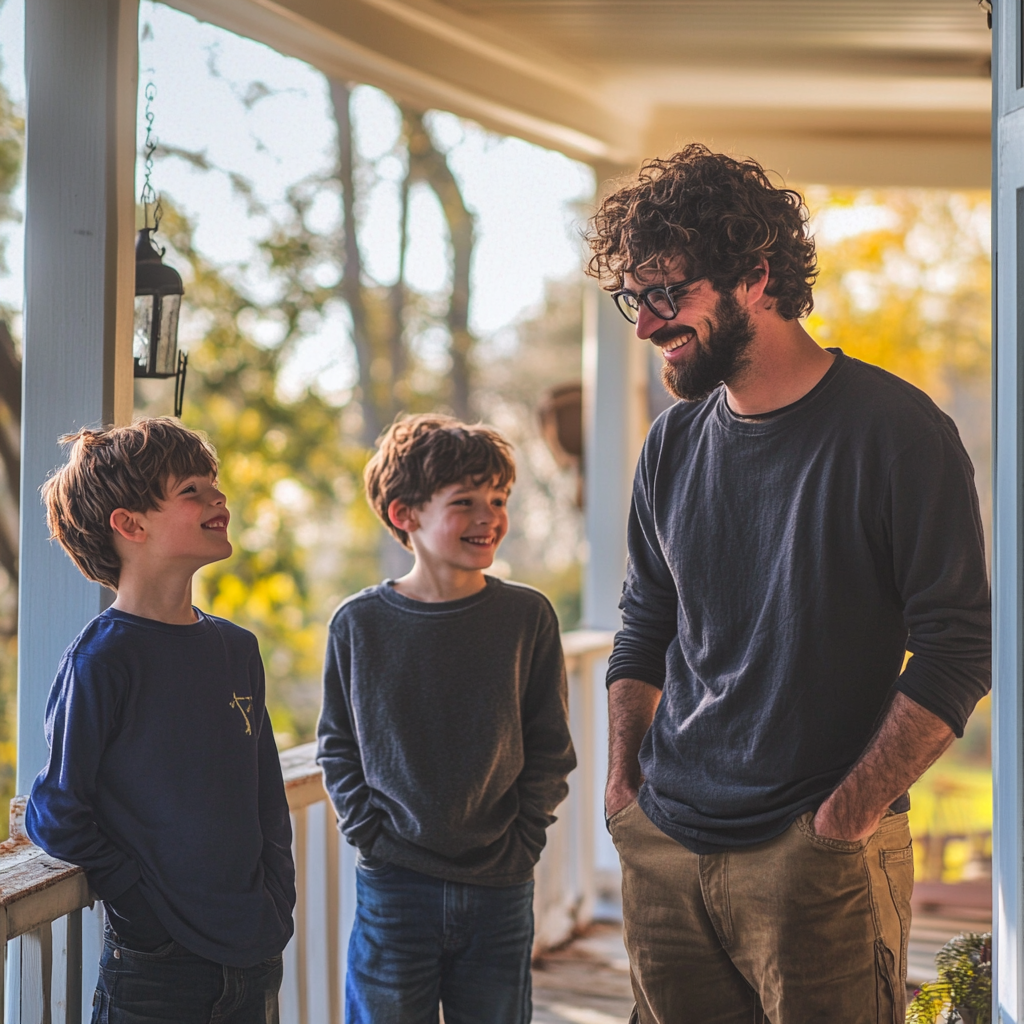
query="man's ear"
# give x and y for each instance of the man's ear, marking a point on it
(752, 287)
(403, 516)
(128, 525)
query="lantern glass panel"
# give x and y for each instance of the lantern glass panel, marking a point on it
(143, 327)
(167, 339)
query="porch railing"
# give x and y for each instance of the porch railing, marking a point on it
(51, 936)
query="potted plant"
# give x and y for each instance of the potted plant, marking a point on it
(963, 991)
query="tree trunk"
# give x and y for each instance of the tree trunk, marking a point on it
(428, 164)
(350, 287)
(10, 455)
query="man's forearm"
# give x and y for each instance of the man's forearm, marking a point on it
(909, 740)
(631, 708)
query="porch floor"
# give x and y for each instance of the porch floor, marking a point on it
(585, 982)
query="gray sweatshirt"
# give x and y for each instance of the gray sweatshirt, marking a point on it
(444, 734)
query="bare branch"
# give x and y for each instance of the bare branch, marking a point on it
(428, 164)
(351, 286)
(10, 373)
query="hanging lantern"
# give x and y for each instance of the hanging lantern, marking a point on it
(158, 292)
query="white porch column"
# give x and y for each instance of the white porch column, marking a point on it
(82, 71)
(615, 424)
(1007, 552)
(81, 61)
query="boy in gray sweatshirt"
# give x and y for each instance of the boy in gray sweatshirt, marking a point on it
(444, 740)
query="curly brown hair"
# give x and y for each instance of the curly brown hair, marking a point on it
(721, 216)
(419, 455)
(117, 467)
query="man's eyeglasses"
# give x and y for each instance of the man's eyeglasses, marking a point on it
(658, 299)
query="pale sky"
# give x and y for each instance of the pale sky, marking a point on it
(527, 200)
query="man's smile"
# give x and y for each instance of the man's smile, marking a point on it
(480, 542)
(219, 522)
(672, 339)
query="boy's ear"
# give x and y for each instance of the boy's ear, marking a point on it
(403, 516)
(127, 525)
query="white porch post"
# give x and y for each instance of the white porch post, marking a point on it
(82, 70)
(82, 83)
(615, 365)
(615, 423)
(1007, 552)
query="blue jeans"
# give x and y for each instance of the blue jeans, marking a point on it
(171, 984)
(419, 941)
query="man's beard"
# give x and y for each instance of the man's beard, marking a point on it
(722, 356)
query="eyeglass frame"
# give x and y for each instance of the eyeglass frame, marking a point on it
(642, 296)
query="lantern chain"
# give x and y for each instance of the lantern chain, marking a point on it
(149, 196)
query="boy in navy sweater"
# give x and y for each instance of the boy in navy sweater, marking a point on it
(444, 741)
(163, 780)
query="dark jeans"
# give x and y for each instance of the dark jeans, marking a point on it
(170, 984)
(419, 941)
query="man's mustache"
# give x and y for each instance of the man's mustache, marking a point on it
(663, 335)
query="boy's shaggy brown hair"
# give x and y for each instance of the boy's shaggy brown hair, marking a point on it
(117, 467)
(419, 455)
(721, 216)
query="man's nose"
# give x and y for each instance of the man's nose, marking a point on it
(647, 323)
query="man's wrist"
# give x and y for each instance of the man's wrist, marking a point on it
(836, 819)
(619, 793)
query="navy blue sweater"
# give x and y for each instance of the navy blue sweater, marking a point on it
(164, 779)
(779, 569)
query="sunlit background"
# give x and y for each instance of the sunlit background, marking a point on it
(247, 167)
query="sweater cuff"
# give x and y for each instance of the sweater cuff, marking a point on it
(644, 673)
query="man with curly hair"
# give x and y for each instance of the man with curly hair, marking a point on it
(800, 522)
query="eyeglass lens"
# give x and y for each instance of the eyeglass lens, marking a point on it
(657, 299)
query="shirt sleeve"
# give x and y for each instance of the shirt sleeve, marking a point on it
(548, 754)
(338, 749)
(939, 567)
(649, 599)
(83, 713)
(275, 821)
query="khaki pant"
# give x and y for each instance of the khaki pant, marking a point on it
(796, 930)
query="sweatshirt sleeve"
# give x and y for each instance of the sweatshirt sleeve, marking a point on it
(338, 749)
(939, 567)
(275, 822)
(649, 600)
(548, 754)
(82, 714)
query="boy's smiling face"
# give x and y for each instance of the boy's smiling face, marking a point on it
(461, 526)
(190, 525)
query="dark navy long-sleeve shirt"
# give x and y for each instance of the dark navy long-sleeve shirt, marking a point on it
(163, 772)
(779, 569)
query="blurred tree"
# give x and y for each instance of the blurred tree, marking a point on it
(914, 294)
(288, 470)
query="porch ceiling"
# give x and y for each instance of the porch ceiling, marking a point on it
(835, 91)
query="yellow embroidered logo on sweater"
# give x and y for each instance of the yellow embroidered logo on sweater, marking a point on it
(244, 704)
